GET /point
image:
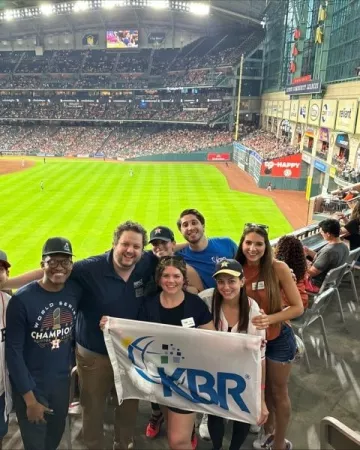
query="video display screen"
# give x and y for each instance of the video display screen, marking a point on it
(122, 39)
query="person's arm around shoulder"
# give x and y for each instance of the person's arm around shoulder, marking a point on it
(23, 279)
(195, 284)
(182, 246)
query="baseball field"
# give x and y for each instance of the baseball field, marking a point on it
(85, 200)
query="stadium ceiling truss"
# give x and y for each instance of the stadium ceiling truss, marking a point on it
(81, 14)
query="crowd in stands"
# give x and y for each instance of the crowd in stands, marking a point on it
(345, 171)
(267, 145)
(115, 111)
(109, 141)
(171, 67)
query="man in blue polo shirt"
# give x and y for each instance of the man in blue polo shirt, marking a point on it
(202, 253)
(114, 284)
(39, 340)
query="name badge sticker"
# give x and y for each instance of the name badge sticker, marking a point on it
(258, 286)
(188, 323)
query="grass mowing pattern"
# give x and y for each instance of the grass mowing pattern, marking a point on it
(85, 200)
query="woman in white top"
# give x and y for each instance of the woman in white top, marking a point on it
(232, 311)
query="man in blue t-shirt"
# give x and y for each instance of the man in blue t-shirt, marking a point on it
(39, 340)
(203, 253)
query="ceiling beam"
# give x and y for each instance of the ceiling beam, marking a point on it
(235, 14)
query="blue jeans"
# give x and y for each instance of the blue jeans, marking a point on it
(45, 436)
(283, 348)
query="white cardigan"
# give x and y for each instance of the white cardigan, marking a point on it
(207, 296)
(4, 300)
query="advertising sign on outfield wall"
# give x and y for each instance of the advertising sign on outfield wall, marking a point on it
(314, 112)
(286, 111)
(286, 166)
(303, 111)
(346, 115)
(328, 114)
(218, 157)
(294, 109)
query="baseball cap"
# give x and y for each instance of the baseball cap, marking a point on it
(229, 266)
(3, 259)
(161, 234)
(57, 245)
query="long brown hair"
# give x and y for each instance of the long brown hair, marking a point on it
(244, 308)
(267, 272)
(355, 214)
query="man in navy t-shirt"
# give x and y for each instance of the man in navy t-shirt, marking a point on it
(202, 253)
(39, 340)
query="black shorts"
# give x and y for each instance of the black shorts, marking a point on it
(179, 411)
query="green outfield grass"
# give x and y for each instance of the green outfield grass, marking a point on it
(85, 200)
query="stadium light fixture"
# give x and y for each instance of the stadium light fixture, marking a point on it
(9, 15)
(46, 9)
(200, 9)
(108, 4)
(81, 5)
(158, 4)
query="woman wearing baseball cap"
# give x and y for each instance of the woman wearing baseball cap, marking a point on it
(232, 312)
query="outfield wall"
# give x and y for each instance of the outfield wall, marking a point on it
(223, 153)
(251, 162)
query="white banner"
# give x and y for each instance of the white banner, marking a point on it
(191, 369)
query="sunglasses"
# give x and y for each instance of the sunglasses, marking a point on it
(257, 225)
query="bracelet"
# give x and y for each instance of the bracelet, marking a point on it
(263, 387)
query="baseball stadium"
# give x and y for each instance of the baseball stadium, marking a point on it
(220, 115)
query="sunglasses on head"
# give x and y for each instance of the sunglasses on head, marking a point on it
(169, 258)
(257, 225)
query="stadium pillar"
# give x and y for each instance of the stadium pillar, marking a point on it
(238, 99)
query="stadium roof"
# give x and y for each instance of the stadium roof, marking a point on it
(223, 16)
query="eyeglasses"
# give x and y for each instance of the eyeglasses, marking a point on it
(257, 225)
(53, 263)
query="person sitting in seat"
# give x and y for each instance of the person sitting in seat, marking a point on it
(334, 254)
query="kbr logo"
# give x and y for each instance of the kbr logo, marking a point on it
(194, 385)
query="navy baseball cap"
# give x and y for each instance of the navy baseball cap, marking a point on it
(230, 267)
(4, 259)
(161, 234)
(57, 245)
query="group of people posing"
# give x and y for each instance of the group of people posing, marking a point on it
(222, 286)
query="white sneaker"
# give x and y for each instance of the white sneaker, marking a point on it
(263, 440)
(255, 429)
(203, 428)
